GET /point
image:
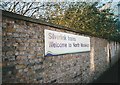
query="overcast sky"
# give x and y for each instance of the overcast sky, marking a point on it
(104, 1)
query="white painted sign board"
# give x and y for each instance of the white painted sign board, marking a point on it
(62, 43)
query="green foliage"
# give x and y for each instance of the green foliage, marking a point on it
(87, 18)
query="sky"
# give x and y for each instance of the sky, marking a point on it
(101, 2)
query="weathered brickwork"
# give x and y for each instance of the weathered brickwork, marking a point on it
(22, 51)
(23, 59)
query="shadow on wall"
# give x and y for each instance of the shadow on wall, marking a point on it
(114, 52)
(102, 56)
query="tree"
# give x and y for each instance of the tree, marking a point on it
(31, 9)
(87, 18)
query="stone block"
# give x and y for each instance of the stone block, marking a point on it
(20, 66)
(7, 48)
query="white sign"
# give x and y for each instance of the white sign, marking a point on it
(62, 43)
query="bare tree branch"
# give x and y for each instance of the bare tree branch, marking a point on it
(24, 5)
(14, 7)
(34, 12)
(28, 8)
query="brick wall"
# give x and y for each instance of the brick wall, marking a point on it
(23, 59)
